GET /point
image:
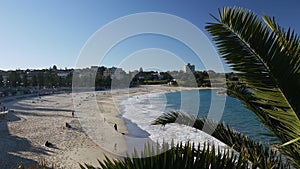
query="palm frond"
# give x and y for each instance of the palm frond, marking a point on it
(265, 62)
(260, 156)
(181, 156)
(289, 42)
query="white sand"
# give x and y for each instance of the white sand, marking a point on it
(39, 119)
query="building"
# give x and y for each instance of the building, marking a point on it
(189, 68)
(118, 74)
(109, 72)
(63, 73)
(94, 67)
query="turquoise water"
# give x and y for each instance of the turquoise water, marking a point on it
(235, 114)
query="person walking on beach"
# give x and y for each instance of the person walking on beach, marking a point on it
(116, 127)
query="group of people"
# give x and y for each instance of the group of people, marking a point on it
(49, 144)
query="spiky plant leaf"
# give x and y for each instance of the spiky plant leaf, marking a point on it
(259, 155)
(181, 156)
(267, 60)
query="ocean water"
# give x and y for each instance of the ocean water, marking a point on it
(235, 114)
(140, 111)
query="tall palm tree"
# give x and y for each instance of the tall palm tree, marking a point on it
(266, 58)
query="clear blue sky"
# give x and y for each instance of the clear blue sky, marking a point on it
(40, 34)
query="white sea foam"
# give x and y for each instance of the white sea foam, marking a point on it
(144, 109)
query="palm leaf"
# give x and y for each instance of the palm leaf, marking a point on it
(267, 60)
(260, 156)
(181, 156)
(289, 43)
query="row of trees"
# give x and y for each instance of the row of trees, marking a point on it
(50, 78)
(41, 79)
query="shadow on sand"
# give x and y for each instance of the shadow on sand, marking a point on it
(11, 145)
(30, 107)
(29, 111)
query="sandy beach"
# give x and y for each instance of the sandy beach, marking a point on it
(92, 135)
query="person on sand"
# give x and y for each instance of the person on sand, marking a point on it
(115, 147)
(116, 127)
(73, 113)
(48, 144)
(68, 125)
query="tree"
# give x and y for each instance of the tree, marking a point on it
(51, 79)
(40, 79)
(34, 81)
(25, 80)
(1, 81)
(54, 68)
(266, 58)
(14, 79)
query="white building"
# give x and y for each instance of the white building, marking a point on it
(118, 74)
(189, 68)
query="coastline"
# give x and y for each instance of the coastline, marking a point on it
(36, 120)
(141, 113)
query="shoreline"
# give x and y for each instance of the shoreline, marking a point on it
(142, 121)
(133, 137)
(36, 120)
(161, 90)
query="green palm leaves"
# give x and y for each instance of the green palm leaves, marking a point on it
(260, 156)
(267, 60)
(187, 156)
